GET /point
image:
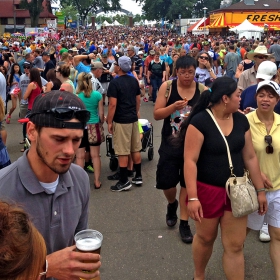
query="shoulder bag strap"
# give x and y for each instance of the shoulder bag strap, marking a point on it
(228, 151)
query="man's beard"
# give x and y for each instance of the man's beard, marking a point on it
(41, 156)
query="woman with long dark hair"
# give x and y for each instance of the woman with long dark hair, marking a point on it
(33, 90)
(206, 170)
(53, 82)
(204, 67)
(13, 83)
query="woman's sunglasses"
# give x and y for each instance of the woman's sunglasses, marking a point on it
(268, 140)
(204, 57)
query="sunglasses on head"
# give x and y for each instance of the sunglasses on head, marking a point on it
(204, 57)
(268, 140)
(66, 114)
(261, 56)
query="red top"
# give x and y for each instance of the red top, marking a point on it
(34, 93)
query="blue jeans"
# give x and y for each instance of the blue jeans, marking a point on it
(156, 83)
(231, 74)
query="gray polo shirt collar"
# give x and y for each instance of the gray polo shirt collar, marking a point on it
(31, 182)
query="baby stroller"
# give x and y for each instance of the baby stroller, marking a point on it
(147, 144)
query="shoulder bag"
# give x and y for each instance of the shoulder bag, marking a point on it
(240, 190)
(95, 133)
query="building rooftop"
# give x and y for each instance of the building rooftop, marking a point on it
(7, 10)
(259, 5)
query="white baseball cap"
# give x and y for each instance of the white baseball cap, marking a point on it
(271, 84)
(266, 70)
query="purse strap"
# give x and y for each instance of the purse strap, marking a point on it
(228, 151)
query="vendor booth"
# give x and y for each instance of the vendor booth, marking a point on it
(247, 30)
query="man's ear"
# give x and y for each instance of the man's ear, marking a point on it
(31, 131)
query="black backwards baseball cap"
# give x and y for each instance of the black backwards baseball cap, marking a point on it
(56, 108)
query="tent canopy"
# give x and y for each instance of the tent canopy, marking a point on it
(246, 26)
(106, 23)
(116, 23)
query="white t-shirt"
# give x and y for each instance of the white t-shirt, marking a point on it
(50, 187)
(201, 75)
(3, 84)
(96, 85)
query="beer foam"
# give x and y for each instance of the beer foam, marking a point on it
(88, 244)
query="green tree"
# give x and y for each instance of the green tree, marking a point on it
(171, 9)
(87, 7)
(35, 8)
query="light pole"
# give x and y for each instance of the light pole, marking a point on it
(78, 24)
(204, 10)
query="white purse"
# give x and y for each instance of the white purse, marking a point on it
(240, 190)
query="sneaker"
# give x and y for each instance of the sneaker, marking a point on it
(8, 119)
(150, 98)
(185, 232)
(264, 237)
(121, 187)
(137, 181)
(89, 169)
(171, 216)
(115, 176)
(145, 99)
(130, 173)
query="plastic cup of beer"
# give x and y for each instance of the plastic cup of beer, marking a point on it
(88, 241)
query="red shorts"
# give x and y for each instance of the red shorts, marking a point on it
(214, 200)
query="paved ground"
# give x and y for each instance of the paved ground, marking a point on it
(137, 243)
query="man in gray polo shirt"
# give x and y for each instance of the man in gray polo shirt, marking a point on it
(51, 189)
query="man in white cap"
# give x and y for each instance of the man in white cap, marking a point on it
(248, 77)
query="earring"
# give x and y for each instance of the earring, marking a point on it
(225, 107)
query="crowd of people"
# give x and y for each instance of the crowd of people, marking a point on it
(62, 88)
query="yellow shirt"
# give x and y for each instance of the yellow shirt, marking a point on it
(269, 163)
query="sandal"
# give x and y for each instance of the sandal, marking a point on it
(97, 188)
(22, 142)
(22, 150)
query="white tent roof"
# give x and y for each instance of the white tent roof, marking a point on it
(116, 23)
(106, 23)
(246, 26)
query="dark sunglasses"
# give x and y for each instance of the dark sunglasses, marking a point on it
(204, 57)
(66, 114)
(26, 67)
(268, 140)
(261, 56)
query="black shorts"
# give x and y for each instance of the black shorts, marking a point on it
(169, 172)
(85, 143)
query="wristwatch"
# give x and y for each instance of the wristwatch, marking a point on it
(211, 70)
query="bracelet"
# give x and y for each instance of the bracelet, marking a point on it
(211, 70)
(193, 199)
(260, 190)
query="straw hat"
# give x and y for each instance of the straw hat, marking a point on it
(258, 51)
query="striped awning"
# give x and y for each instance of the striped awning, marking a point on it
(218, 22)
